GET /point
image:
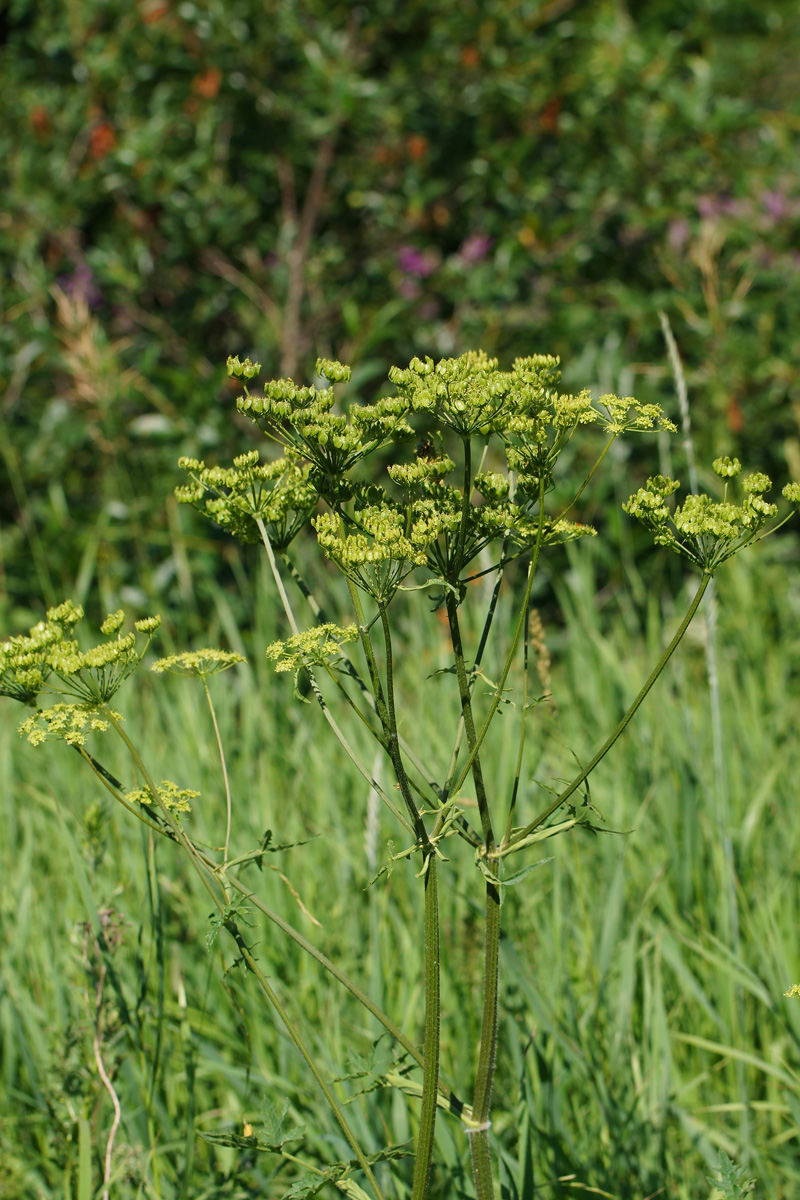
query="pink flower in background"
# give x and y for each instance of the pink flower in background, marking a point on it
(678, 233)
(721, 206)
(80, 284)
(420, 263)
(429, 309)
(475, 248)
(409, 289)
(776, 204)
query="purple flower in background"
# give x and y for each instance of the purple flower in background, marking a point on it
(80, 285)
(776, 205)
(678, 233)
(429, 309)
(420, 263)
(719, 206)
(409, 289)
(475, 248)
(708, 206)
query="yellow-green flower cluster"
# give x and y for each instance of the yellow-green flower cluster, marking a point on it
(24, 663)
(96, 674)
(302, 419)
(243, 370)
(413, 476)
(172, 797)
(467, 394)
(524, 530)
(277, 492)
(334, 372)
(201, 663)
(704, 531)
(28, 664)
(382, 544)
(66, 722)
(313, 647)
(377, 540)
(726, 468)
(626, 415)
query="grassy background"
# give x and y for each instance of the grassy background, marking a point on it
(643, 1020)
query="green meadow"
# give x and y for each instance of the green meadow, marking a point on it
(643, 1026)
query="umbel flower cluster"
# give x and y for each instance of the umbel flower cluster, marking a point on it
(704, 531)
(419, 518)
(49, 659)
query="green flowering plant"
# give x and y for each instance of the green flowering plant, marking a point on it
(707, 531)
(49, 658)
(481, 483)
(474, 474)
(239, 498)
(70, 722)
(174, 798)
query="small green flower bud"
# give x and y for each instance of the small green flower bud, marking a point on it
(792, 493)
(757, 483)
(147, 624)
(726, 468)
(65, 614)
(246, 460)
(113, 622)
(662, 485)
(334, 372)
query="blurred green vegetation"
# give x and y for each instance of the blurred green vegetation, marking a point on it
(639, 1034)
(183, 181)
(187, 180)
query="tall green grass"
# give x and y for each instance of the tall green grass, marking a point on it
(636, 1042)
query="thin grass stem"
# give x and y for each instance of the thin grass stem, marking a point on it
(518, 838)
(228, 805)
(333, 1103)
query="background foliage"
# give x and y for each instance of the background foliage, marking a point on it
(184, 181)
(641, 1032)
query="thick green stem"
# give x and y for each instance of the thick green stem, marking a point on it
(469, 721)
(478, 1127)
(430, 1077)
(518, 838)
(430, 1072)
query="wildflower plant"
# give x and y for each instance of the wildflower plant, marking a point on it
(475, 458)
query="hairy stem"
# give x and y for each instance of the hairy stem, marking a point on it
(479, 1126)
